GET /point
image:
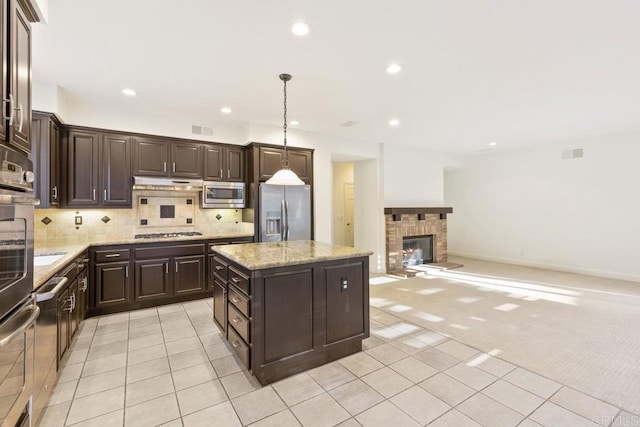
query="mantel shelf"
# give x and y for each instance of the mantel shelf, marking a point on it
(397, 212)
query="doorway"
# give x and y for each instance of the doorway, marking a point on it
(343, 208)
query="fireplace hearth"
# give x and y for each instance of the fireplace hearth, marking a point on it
(417, 250)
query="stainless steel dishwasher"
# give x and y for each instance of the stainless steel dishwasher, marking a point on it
(45, 372)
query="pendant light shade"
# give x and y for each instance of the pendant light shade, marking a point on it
(285, 176)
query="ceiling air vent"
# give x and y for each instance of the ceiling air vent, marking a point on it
(349, 124)
(576, 153)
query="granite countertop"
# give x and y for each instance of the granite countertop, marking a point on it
(256, 256)
(43, 273)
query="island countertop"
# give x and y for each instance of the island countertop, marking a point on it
(257, 256)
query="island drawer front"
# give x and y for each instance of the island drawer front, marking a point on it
(239, 346)
(220, 268)
(239, 280)
(240, 301)
(241, 324)
(112, 255)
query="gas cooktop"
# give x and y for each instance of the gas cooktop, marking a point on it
(166, 235)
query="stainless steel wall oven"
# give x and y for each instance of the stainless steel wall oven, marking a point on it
(18, 312)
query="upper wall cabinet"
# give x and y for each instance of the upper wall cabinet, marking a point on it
(270, 161)
(96, 169)
(157, 157)
(15, 91)
(222, 163)
(45, 154)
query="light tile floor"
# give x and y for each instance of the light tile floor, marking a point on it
(171, 366)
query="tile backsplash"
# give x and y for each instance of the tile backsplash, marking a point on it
(57, 227)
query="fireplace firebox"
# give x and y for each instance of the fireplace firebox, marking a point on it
(417, 250)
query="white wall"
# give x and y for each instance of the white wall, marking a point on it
(414, 177)
(532, 208)
(342, 173)
(45, 97)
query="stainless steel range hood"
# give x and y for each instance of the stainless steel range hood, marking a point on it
(166, 184)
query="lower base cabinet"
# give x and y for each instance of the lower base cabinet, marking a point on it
(283, 320)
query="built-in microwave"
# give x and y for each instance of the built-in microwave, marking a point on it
(223, 195)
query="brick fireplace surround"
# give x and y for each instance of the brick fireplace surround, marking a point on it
(401, 222)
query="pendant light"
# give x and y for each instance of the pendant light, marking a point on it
(285, 176)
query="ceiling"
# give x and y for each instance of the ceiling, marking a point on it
(512, 71)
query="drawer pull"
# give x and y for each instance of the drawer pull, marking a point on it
(219, 268)
(235, 279)
(235, 300)
(235, 344)
(112, 255)
(235, 320)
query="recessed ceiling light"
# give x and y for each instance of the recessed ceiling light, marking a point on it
(129, 92)
(493, 144)
(225, 110)
(394, 122)
(294, 123)
(394, 68)
(300, 29)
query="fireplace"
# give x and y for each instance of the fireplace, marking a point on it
(417, 250)
(415, 236)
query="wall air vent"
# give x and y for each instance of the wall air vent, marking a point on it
(201, 130)
(576, 153)
(349, 124)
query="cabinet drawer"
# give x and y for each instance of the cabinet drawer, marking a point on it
(240, 301)
(241, 324)
(239, 280)
(220, 268)
(112, 255)
(239, 346)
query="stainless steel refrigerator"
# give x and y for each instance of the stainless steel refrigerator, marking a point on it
(285, 212)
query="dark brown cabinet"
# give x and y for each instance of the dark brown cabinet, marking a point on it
(15, 49)
(152, 279)
(186, 160)
(45, 154)
(158, 157)
(116, 171)
(80, 155)
(64, 305)
(111, 278)
(283, 320)
(165, 271)
(223, 163)
(270, 161)
(97, 169)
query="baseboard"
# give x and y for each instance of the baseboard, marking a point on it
(548, 266)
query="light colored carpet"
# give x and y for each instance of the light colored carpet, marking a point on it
(578, 330)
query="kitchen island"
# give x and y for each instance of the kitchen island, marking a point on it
(286, 307)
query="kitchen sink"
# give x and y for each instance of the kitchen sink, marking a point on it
(47, 259)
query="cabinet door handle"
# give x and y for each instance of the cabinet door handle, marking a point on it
(176, 266)
(235, 320)
(220, 173)
(235, 300)
(85, 283)
(164, 167)
(126, 271)
(174, 167)
(228, 173)
(105, 194)
(94, 194)
(54, 196)
(235, 344)
(21, 117)
(10, 101)
(112, 255)
(166, 268)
